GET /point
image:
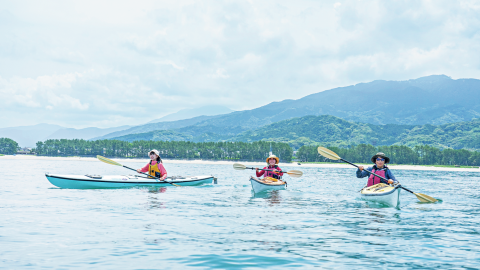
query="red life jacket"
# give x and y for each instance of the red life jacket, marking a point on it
(272, 174)
(373, 180)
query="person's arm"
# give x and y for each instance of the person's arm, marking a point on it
(279, 171)
(260, 173)
(389, 175)
(163, 172)
(144, 169)
(362, 173)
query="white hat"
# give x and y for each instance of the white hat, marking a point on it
(274, 157)
(154, 151)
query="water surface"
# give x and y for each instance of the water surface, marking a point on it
(319, 221)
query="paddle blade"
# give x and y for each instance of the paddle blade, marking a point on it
(328, 153)
(425, 198)
(238, 166)
(109, 161)
(295, 173)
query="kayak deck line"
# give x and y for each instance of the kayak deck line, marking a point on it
(382, 193)
(122, 181)
(95, 180)
(258, 185)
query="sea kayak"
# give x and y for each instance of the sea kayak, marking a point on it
(123, 181)
(267, 183)
(382, 193)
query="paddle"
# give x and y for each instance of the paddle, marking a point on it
(292, 173)
(333, 156)
(111, 162)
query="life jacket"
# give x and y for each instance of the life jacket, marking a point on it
(153, 170)
(373, 180)
(272, 174)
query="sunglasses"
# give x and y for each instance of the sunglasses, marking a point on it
(380, 159)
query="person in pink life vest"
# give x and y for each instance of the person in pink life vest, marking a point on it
(155, 166)
(379, 168)
(272, 162)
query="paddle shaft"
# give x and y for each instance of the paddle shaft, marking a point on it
(148, 175)
(381, 178)
(264, 169)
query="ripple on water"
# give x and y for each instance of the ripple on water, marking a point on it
(318, 221)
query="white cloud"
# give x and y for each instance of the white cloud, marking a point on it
(108, 63)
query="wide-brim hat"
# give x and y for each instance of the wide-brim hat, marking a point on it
(382, 155)
(275, 157)
(154, 151)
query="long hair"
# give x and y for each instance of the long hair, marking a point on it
(159, 160)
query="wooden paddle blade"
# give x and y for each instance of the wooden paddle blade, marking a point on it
(425, 198)
(109, 161)
(295, 173)
(238, 166)
(328, 153)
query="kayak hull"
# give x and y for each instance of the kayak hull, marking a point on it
(121, 181)
(259, 186)
(382, 193)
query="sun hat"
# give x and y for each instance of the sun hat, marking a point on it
(275, 157)
(382, 155)
(154, 151)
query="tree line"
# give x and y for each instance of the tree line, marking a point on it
(255, 151)
(418, 155)
(243, 151)
(8, 146)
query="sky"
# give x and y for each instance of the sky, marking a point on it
(112, 63)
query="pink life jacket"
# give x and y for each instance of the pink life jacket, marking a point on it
(373, 180)
(272, 174)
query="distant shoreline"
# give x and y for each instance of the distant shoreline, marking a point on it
(248, 163)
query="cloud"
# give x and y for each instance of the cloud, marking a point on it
(120, 63)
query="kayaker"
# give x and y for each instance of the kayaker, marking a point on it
(155, 166)
(272, 162)
(379, 168)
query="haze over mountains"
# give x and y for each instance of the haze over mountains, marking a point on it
(28, 136)
(191, 113)
(333, 131)
(435, 99)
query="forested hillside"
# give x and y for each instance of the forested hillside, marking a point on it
(333, 131)
(435, 100)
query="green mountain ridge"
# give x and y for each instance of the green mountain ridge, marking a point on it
(435, 99)
(331, 131)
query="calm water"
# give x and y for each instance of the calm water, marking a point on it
(318, 221)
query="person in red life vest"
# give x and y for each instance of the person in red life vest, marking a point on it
(379, 168)
(272, 162)
(155, 166)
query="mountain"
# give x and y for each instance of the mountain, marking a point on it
(84, 133)
(435, 100)
(191, 113)
(334, 131)
(28, 136)
(155, 126)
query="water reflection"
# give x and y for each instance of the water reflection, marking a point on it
(153, 201)
(272, 197)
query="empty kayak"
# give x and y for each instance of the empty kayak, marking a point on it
(267, 183)
(382, 193)
(123, 181)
